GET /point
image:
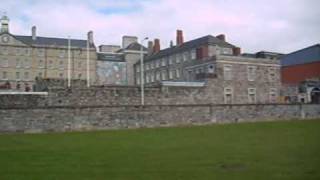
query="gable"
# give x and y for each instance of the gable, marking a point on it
(8, 39)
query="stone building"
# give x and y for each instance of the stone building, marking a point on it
(115, 63)
(23, 58)
(233, 78)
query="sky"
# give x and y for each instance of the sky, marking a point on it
(254, 25)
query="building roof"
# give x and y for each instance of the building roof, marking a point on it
(303, 56)
(133, 47)
(209, 39)
(48, 41)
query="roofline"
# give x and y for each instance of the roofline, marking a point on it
(294, 52)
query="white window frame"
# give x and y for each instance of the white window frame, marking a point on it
(163, 75)
(193, 54)
(177, 73)
(18, 76)
(178, 58)
(252, 91)
(26, 76)
(41, 65)
(5, 75)
(158, 76)
(27, 63)
(228, 91)
(170, 74)
(227, 72)
(5, 62)
(251, 73)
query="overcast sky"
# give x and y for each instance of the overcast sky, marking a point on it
(272, 25)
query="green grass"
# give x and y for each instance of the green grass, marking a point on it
(257, 151)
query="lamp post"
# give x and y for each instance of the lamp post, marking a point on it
(142, 70)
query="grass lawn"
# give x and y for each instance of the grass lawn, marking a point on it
(257, 151)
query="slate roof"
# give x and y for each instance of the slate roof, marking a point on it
(303, 56)
(209, 39)
(49, 41)
(133, 47)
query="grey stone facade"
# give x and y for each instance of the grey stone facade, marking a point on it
(231, 78)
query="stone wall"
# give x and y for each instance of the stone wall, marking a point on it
(70, 118)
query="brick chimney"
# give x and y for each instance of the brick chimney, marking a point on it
(156, 47)
(179, 37)
(222, 37)
(236, 51)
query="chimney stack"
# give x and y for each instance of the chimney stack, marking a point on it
(90, 37)
(222, 37)
(156, 47)
(236, 51)
(150, 47)
(179, 37)
(34, 33)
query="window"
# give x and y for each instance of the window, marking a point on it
(252, 95)
(227, 72)
(164, 75)
(163, 62)
(50, 64)
(18, 63)
(27, 63)
(26, 76)
(5, 75)
(273, 95)
(79, 76)
(41, 63)
(5, 62)
(147, 78)
(62, 53)
(17, 75)
(138, 68)
(228, 95)
(152, 77)
(185, 56)
(18, 51)
(138, 80)
(79, 64)
(158, 63)
(170, 60)
(61, 65)
(171, 74)
(5, 51)
(272, 74)
(158, 76)
(193, 54)
(41, 52)
(61, 75)
(152, 65)
(40, 74)
(177, 73)
(147, 66)
(210, 69)
(27, 52)
(251, 71)
(178, 57)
